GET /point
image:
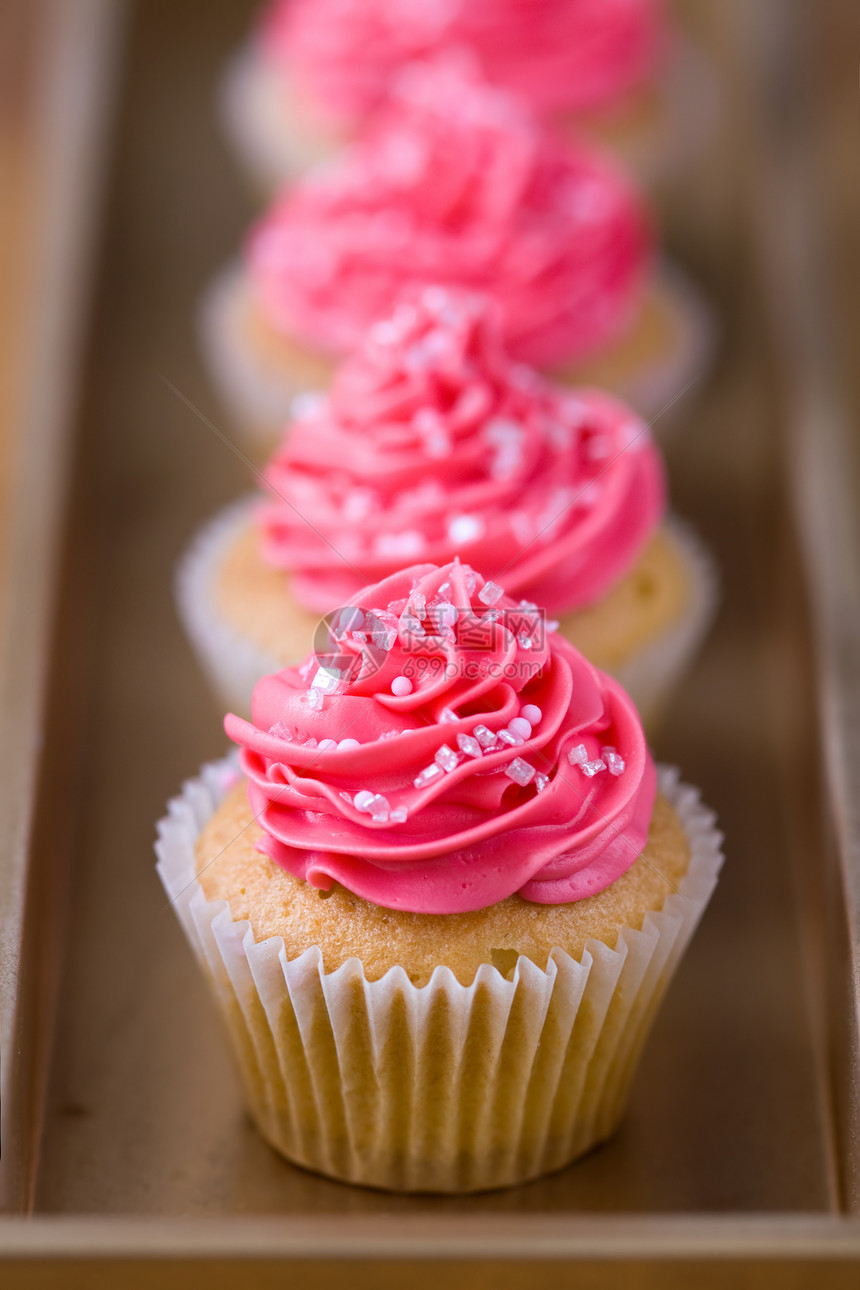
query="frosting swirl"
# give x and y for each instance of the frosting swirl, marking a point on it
(457, 183)
(450, 753)
(568, 55)
(553, 492)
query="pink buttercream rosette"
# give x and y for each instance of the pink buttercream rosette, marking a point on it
(451, 751)
(572, 56)
(434, 443)
(457, 183)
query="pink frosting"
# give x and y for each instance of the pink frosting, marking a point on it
(433, 444)
(576, 56)
(457, 183)
(485, 755)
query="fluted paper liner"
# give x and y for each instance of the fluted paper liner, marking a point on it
(234, 663)
(442, 1087)
(259, 389)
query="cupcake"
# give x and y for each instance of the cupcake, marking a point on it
(441, 894)
(433, 443)
(316, 72)
(456, 183)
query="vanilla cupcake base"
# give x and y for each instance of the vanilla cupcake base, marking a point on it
(258, 372)
(244, 622)
(654, 131)
(443, 1086)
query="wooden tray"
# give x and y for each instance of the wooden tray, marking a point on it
(126, 1151)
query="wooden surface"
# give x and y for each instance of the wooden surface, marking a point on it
(728, 1114)
(732, 1117)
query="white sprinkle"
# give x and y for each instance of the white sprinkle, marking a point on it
(448, 715)
(578, 755)
(313, 699)
(306, 405)
(510, 737)
(397, 815)
(524, 642)
(325, 744)
(465, 528)
(490, 593)
(614, 764)
(384, 333)
(378, 808)
(348, 619)
(521, 726)
(484, 736)
(344, 744)
(552, 625)
(383, 628)
(358, 504)
(410, 627)
(327, 680)
(309, 742)
(520, 771)
(280, 731)
(528, 607)
(469, 745)
(522, 526)
(401, 686)
(541, 781)
(531, 712)
(446, 758)
(399, 546)
(427, 775)
(445, 615)
(362, 800)
(591, 768)
(500, 430)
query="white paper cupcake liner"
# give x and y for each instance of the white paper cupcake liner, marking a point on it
(442, 1087)
(234, 663)
(651, 674)
(259, 392)
(661, 391)
(253, 105)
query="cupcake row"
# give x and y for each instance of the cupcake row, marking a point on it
(441, 885)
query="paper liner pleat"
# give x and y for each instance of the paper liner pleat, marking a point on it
(440, 1087)
(234, 663)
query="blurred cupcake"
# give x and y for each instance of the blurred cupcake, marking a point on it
(433, 444)
(440, 906)
(456, 183)
(317, 71)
